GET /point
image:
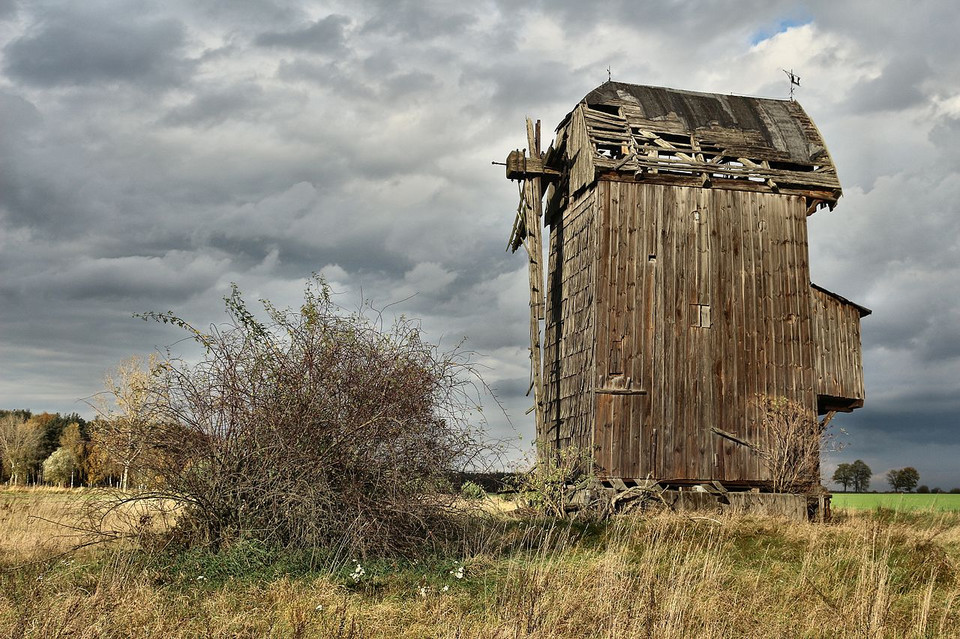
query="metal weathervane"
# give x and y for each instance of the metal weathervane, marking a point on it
(794, 80)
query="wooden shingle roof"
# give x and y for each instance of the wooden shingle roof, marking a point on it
(629, 131)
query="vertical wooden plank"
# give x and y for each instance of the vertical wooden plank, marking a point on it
(715, 353)
(693, 335)
(631, 326)
(733, 458)
(755, 305)
(765, 278)
(649, 208)
(603, 435)
(783, 273)
(773, 273)
(725, 339)
(551, 331)
(614, 320)
(684, 274)
(795, 319)
(666, 296)
(584, 362)
(604, 258)
(623, 322)
(589, 370)
(807, 348)
(533, 195)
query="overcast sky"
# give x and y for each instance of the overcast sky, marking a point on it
(153, 153)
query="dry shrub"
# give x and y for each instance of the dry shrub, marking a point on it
(314, 428)
(792, 444)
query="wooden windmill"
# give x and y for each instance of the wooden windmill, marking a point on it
(677, 293)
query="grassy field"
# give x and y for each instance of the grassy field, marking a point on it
(898, 502)
(869, 574)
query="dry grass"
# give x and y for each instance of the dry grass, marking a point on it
(31, 523)
(870, 575)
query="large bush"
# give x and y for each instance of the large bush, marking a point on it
(316, 427)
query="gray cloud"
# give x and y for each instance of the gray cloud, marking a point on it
(209, 108)
(899, 86)
(417, 21)
(83, 47)
(323, 36)
(945, 137)
(516, 87)
(8, 9)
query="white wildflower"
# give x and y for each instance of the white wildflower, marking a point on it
(319, 608)
(458, 573)
(358, 573)
(446, 588)
(201, 578)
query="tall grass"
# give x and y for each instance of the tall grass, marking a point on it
(866, 575)
(33, 523)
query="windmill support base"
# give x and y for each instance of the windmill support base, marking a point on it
(651, 497)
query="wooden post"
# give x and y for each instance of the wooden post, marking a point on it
(532, 214)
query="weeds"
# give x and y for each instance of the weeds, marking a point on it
(555, 477)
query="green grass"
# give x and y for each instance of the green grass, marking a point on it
(898, 502)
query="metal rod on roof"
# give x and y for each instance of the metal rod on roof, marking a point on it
(794, 80)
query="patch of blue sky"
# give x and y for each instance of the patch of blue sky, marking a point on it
(770, 30)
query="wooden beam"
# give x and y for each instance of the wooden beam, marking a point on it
(521, 167)
(733, 438)
(533, 212)
(695, 178)
(620, 391)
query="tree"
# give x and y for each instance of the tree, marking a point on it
(60, 466)
(909, 477)
(313, 428)
(904, 479)
(923, 489)
(54, 425)
(72, 439)
(19, 445)
(861, 476)
(844, 475)
(893, 478)
(127, 413)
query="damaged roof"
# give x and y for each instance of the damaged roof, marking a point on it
(655, 132)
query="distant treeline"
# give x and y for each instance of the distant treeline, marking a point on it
(53, 449)
(67, 450)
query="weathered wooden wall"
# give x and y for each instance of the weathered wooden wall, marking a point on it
(569, 330)
(702, 305)
(839, 366)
